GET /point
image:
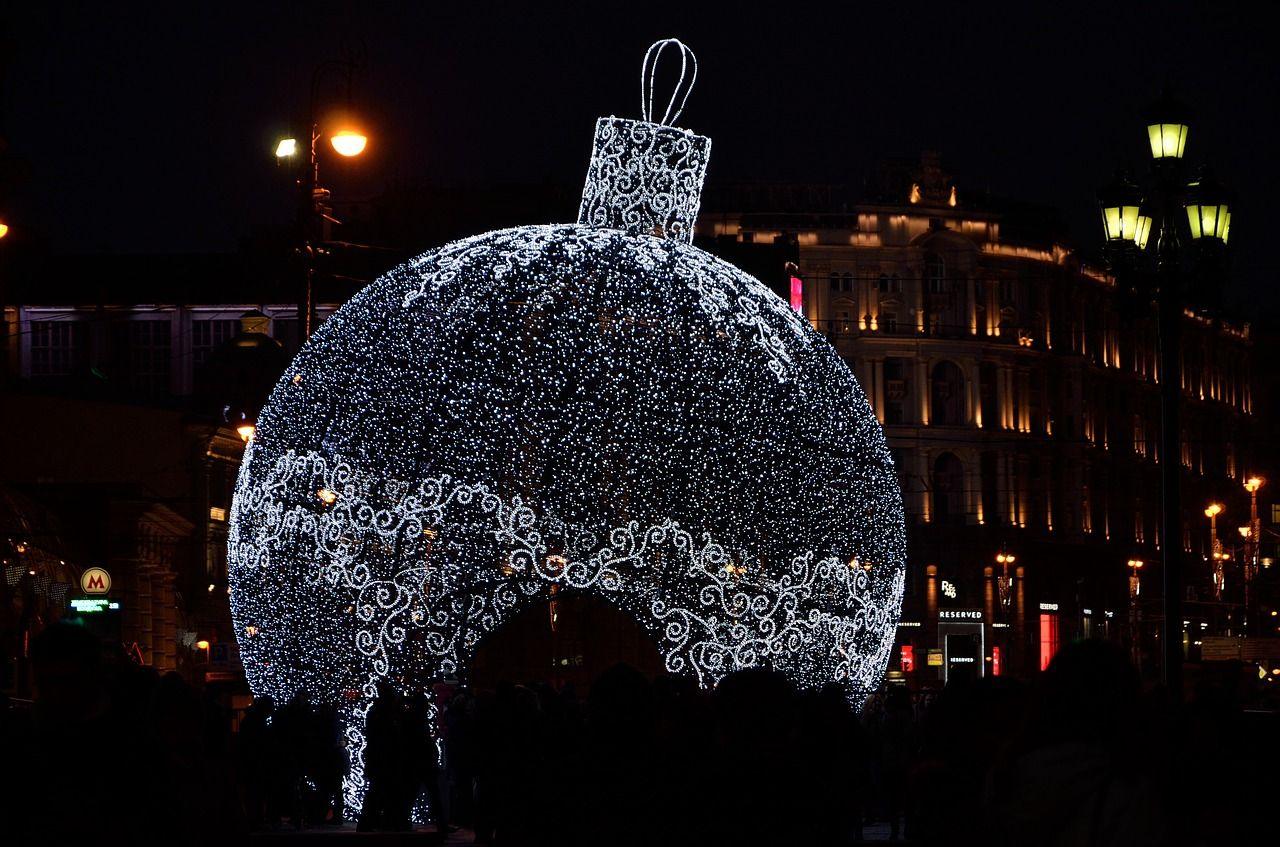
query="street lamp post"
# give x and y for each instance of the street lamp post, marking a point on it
(313, 211)
(1135, 627)
(1252, 540)
(1171, 205)
(1216, 550)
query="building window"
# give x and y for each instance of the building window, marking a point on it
(948, 489)
(890, 285)
(895, 390)
(889, 322)
(206, 335)
(946, 399)
(935, 274)
(144, 355)
(54, 347)
(990, 487)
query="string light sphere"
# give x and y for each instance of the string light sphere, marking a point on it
(587, 408)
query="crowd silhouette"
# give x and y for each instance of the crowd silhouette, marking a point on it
(1081, 755)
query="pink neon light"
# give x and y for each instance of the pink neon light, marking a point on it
(797, 294)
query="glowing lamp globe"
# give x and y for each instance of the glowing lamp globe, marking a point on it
(1122, 218)
(1208, 209)
(1167, 128)
(597, 407)
(348, 142)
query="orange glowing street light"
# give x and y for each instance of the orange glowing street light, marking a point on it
(348, 142)
(4, 229)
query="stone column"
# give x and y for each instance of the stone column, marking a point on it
(988, 613)
(931, 603)
(971, 306)
(146, 626)
(1019, 617)
(165, 618)
(879, 404)
(922, 380)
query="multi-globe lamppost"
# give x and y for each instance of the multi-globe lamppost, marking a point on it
(348, 141)
(1176, 207)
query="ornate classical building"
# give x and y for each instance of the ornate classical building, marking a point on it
(1019, 393)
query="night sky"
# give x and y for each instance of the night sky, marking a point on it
(150, 128)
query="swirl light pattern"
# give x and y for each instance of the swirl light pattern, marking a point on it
(571, 406)
(645, 178)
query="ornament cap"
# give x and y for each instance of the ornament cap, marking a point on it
(645, 177)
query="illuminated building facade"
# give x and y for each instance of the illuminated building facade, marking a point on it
(1019, 394)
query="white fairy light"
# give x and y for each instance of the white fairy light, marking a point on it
(566, 408)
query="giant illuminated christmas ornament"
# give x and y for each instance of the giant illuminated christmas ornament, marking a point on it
(596, 407)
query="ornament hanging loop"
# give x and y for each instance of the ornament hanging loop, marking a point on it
(688, 70)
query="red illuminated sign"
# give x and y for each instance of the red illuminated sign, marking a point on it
(908, 653)
(995, 661)
(1048, 638)
(797, 294)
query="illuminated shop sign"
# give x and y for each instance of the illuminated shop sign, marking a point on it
(959, 614)
(935, 658)
(1048, 607)
(797, 294)
(94, 605)
(909, 623)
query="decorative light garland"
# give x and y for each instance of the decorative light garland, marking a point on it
(587, 408)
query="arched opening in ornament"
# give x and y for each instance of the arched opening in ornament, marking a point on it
(571, 639)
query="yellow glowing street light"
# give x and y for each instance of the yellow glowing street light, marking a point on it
(1167, 128)
(348, 142)
(1213, 510)
(286, 148)
(1135, 564)
(246, 431)
(1208, 209)
(1121, 204)
(1253, 483)
(4, 229)
(1245, 531)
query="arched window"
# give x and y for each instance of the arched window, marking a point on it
(948, 489)
(946, 395)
